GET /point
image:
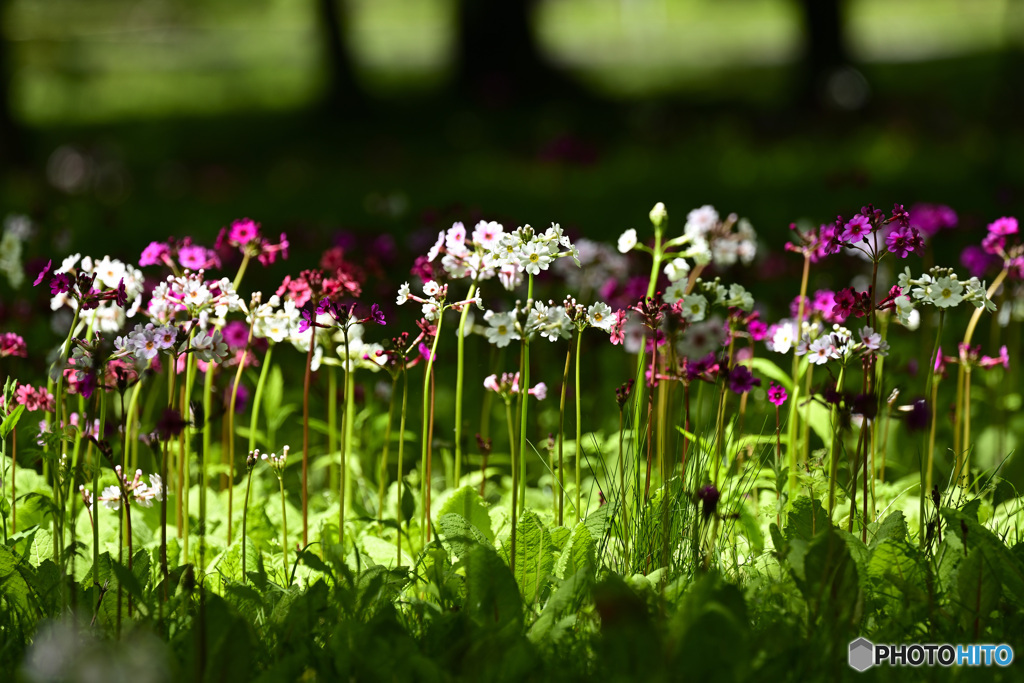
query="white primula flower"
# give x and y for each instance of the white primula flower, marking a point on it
(821, 350)
(534, 257)
(501, 328)
(694, 308)
(600, 315)
(740, 297)
(782, 340)
(431, 288)
(677, 269)
(109, 272)
(487, 234)
(627, 240)
(436, 249)
(946, 292)
(676, 291)
(403, 294)
(700, 221)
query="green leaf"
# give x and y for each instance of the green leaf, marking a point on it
(11, 421)
(468, 503)
(894, 527)
(807, 519)
(553, 621)
(534, 557)
(492, 597)
(579, 552)
(273, 393)
(773, 372)
(126, 579)
(459, 535)
(1011, 568)
(979, 587)
(408, 507)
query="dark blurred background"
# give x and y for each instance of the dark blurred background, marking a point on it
(133, 120)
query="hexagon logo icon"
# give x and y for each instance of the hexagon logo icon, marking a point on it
(862, 654)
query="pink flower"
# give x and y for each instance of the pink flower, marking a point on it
(1002, 359)
(977, 261)
(777, 394)
(243, 231)
(12, 344)
(155, 254)
(491, 383)
(539, 391)
(197, 258)
(1003, 226)
(856, 229)
(617, 334)
(236, 334)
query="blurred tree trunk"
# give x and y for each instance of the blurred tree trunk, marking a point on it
(824, 46)
(342, 88)
(498, 56)
(13, 148)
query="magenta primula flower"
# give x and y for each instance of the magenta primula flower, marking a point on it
(902, 241)
(856, 229)
(931, 218)
(157, 253)
(243, 231)
(42, 273)
(777, 394)
(1003, 226)
(977, 261)
(195, 257)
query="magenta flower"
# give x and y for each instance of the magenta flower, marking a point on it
(845, 301)
(197, 258)
(758, 330)
(60, 284)
(777, 394)
(856, 229)
(1002, 359)
(1003, 226)
(236, 334)
(42, 273)
(741, 380)
(155, 254)
(902, 241)
(425, 351)
(930, 218)
(243, 231)
(377, 315)
(977, 261)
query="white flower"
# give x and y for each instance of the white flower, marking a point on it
(700, 221)
(501, 328)
(724, 252)
(694, 307)
(109, 272)
(740, 297)
(946, 292)
(677, 269)
(600, 316)
(436, 249)
(870, 339)
(455, 239)
(782, 340)
(210, 347)
(555, 324)
(403, 294)
(747, 250)
(627, 240)
(111, 498)
(431, 288)
(534, 257)
(821, 350)
(676, 291)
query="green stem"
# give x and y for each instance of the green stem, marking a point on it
(305, 437)
(458, 384)
(579, 430)
(524, 395)
(560, 483)
(425, 451)
(383, 477)
(190, 377)
(284, 528)
(257, 398)
(401, 459)
(231, 433)
(515, 481)
(245, 520)
(344, 485)
(793, 420)
(241, 272)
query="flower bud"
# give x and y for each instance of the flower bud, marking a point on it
(659, 215)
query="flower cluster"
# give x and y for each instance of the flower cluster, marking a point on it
(135, 490)
(508, 385)
(146, 341)
(276, 462)
(106, 291)
(183, 253)
(245, 236)
(190, 296)
(12, 344)
(940, 287)
(34, 399)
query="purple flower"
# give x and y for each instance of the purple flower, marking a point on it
(777, 394)
(121, 297)
(308, 318)
(919, 416)
(60, 284)
(243, 231)
(425, 351)
(856, 229)
(930, 218)
(708, 496)
(377, 315)
(845, 301)
(741, 381)
(901, 241)
(42, 273)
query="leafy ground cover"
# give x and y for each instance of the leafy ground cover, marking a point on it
(528, 455)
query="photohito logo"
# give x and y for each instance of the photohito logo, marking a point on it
(864, 654)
